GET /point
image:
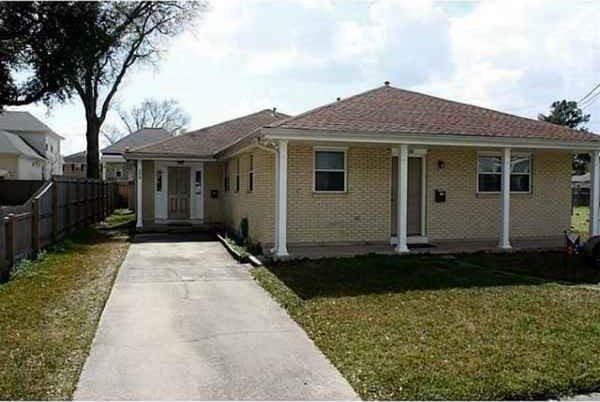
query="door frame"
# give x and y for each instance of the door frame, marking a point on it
(161, 198)
(422, 238)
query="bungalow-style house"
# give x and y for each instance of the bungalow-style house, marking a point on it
(30, 150)
(387, 166)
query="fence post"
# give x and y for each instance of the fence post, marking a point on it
(11, 240)
(35, 228)
(4, 262)
(54, 210)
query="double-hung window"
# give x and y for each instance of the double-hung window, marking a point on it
(330, 170)
(489, 173)
(251, 174)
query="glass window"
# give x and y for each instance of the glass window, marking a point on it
(330, 171)
(251, 174)
(158, 181)
(489, 174)
(226, 177)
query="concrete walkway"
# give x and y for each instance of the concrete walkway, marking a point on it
(185, 321)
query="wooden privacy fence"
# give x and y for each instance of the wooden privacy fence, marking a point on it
(60, 206)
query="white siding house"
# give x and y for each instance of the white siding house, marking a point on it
(38, 137)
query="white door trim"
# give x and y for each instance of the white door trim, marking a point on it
(161, 198)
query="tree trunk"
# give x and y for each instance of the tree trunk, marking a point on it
(92, 134)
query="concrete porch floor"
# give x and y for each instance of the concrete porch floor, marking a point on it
(437, 248)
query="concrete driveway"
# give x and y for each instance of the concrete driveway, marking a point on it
(185, 321)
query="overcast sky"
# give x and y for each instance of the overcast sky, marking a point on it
(244, 55)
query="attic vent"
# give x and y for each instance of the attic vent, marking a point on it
(274, 111)
(338, 99)
(387, 83)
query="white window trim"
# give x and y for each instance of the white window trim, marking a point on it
(345, 170)
(498, 154)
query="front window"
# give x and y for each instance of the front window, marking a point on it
(226, 177)
(489, 174)
(159, 181)
(330, 170)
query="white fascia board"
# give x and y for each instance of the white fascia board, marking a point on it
(427, 139)
(112, 158)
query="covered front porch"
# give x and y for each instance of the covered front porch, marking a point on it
(445, 197)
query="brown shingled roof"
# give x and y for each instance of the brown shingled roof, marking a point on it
(206, 141)
(392, 110)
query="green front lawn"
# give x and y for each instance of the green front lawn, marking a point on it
(443, 328)
(49, 311)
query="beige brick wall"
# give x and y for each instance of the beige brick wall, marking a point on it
(360, 214)
(213, 180)
(147, 192)
(259, 205)
(468, 215)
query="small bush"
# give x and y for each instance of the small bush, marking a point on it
(244, 229)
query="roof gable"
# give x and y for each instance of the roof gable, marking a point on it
(18, 121)
(13, 144)
(137, 139)
(208, 140)
(392, 110)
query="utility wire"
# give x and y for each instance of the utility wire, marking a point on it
(589, 93)
(590, 101)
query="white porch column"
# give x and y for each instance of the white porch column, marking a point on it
(595, 193)
(281, 212)
(505, 224)
(276, 240)
(138, 187)
(402, 197)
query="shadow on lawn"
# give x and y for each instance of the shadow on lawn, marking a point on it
(374, 274)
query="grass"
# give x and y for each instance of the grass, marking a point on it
(443, 328)
(580, 221)
(49, 311)
(118, 218)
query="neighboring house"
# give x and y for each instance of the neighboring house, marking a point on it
(74, 165)
(114, 165)
(386, 166)
(19, 160)
(36, 135)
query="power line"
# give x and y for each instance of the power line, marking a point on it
(589, 93)
(587, 103)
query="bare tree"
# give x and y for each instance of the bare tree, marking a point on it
(152, 113)
(112, 133)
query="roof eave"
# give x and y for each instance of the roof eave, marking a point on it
(425, 139)
(167, 156)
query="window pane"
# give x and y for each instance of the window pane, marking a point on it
(490, 164)
(329, 160)
(519, 182)
(489, 182)
(329, 181)
(519, 164)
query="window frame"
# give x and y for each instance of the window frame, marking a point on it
(499, 155)
(250, 184)
(344, 150)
